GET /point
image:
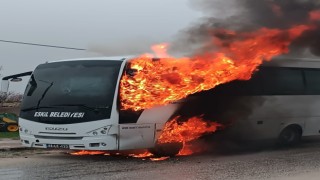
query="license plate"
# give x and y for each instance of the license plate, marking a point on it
(58, 146)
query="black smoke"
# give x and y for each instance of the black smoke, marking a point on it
(241, 16)
(247, 16)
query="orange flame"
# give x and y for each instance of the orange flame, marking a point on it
(314, 15)
(186, 150)
(185, 132)
(83, 152)
(160, 82)
(142, 155)
(159, 159)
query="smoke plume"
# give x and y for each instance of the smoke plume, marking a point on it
(242, 16)
(250, 15)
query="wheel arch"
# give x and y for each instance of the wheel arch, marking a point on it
(295, 126)
(290, 135)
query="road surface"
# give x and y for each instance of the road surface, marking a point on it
(302, 162)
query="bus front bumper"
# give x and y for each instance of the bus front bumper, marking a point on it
(108, 142)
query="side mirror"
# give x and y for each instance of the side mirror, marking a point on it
(131, 72)
(16, 79)
(4, 86)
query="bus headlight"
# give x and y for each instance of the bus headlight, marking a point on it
(99, 131)
(24, 130)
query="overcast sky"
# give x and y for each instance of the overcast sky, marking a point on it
(105, 27)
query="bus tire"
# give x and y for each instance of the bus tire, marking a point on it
(290, 135)
(166, 149)
(11, 127)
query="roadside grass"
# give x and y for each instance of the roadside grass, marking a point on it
(14, 135)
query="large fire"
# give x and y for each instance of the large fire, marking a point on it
(160, 81)
(193, 128)
(237, 56)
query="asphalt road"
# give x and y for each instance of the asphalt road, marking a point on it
(302, 162)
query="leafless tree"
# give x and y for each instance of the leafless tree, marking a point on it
(10, 97)
(14, 97)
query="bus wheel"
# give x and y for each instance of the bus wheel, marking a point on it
(11, 127)
(166, 149)
(291, 135)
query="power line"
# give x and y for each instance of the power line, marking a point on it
(43, 45)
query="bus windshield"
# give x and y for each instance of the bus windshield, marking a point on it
(71, 92)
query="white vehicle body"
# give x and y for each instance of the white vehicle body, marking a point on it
(263, 112)
(102, 134)
(281, 101)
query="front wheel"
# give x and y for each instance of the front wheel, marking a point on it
(166, 149)
(290, 136)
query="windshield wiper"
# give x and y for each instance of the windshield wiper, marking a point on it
(45, 92)
(36, 108)
(84, 106)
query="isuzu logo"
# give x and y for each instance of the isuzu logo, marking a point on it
(56, 129)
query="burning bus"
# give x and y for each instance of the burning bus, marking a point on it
(74, 104)
(146, 102)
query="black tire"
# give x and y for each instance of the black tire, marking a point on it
(166, 149)
(290, 136)
(11, 127)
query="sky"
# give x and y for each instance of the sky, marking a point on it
(103, 27)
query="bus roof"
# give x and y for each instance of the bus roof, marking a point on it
(111, 58)
(276, 62)
(293, 62)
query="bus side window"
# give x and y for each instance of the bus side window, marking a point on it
(283, 81)
(312, 81)
(249, 87)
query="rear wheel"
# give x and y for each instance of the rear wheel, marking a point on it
(166, 149)
(11, 127)
(290, 136)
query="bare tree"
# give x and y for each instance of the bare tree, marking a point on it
(9, 97)
(3, 98)
(2, 94)
(14, 97)
(1, 68)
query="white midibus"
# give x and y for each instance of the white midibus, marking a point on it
(74, 104)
